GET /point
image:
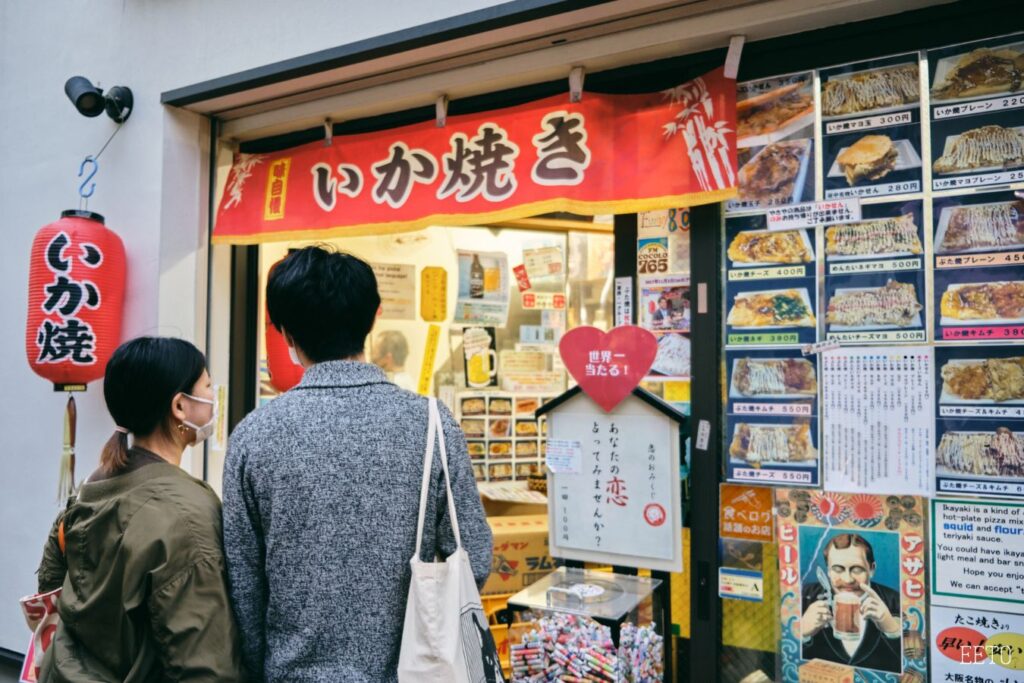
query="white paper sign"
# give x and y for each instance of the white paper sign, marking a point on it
(397, 286)
(623, 301)
(812, 214)
(969, 644)
(564, 457)
(878, 427)
(978, 555)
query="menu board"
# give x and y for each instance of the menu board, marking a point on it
(965, 641)
(874, 276)
(979, 267)
(977, 126)
(771, 285)
(772, 417)
(980, 420)
(775, 137)
(878, 431)
(505, 439)
(871, 132)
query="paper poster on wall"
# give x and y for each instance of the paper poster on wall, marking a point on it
(878, 431)
(480, 357)
(874, 276)
(772, 417)
(871, 125)
(972, 644)
(665, 303)
(978, 554)
(623, 301)
(652, 256)
(397, 286)
(979, 280)
(853, 571)
(740, 576)
(483, 288)
(771, 284)
(976, 131)
(544, 262)
(433, 294)
(980, 420)
(775, 134)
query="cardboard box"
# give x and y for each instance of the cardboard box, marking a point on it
(521, 554)
(820, 671)
(501, 508)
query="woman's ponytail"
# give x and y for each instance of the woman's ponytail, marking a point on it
(115, 452)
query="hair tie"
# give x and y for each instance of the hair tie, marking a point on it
(122, 430)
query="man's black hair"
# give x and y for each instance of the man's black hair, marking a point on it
(326, 300)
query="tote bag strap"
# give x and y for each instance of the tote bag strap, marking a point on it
(435, 432)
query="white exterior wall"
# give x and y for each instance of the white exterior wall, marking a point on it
(151, 188)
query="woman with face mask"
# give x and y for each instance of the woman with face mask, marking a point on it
(138, 552)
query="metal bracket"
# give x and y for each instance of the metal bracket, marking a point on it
(732, 58)
(328, 132)
(441, 111)
(576, 84)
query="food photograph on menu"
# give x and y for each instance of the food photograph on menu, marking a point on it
(980, 419)
(992, 222)
(869, 304)
(772, 449)
(977, 114)
(771, 283)
(874, 277)
(673, 358)
(871, 125)
(775, 130)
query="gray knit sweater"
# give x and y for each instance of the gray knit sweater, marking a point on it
(321, 490)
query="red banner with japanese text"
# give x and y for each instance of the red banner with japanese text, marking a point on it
(604, 154)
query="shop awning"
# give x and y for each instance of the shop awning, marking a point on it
(603, 154)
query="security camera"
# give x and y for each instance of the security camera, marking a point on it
(90, 100)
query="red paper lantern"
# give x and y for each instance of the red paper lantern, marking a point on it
(284, 373)
(75, 299)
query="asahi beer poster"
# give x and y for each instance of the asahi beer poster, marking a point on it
(853, 572)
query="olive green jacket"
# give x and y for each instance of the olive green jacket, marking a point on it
(144, 590)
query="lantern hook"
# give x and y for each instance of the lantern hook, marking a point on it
(82, 191)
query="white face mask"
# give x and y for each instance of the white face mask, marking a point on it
(203, 432)
(294, 356)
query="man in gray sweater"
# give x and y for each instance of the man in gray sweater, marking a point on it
(321, 491)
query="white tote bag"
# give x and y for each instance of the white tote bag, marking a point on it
(446, 638)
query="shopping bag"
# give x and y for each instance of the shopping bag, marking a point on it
(445, 638)
(41, 615)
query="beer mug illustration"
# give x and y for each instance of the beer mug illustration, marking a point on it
(481, 359)
(481, 367)
(846, 616)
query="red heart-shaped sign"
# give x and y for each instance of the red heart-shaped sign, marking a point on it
(608, 365)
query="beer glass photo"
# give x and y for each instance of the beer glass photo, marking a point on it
(846, 616)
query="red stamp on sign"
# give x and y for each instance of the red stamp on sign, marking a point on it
(522, 278)
(654, 514)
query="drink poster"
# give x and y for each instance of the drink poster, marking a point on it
(878, 432)
(483, 289)
(852, 572)
(772, 417)
(980, 420)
